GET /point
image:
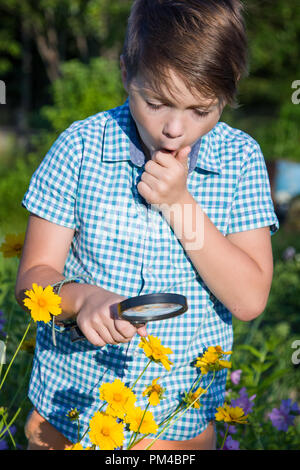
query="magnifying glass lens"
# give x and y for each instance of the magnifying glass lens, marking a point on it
(152, 310)
(151, 307)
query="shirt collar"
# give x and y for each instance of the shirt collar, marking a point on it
(121, 143)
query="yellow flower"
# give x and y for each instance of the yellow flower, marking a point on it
(76, 446)
(105, 431)
(156, 351)
(154, 392)
(73, 414)
(231, 414)
(192, 396)
(42, 303)
(211, 360)
(142, 420)
(118, 396)
(13, 245)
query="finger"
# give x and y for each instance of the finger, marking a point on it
(185, 151)
(182, 156)
(118, 338)
(125, 329)
(153, 168)
(93, 337)
(142, 331)
(150, 180)
(163, 159)
(144, 191)
(108, 334)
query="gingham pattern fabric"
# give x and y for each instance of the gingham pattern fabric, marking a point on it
(88, 182)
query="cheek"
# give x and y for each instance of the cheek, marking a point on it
(208, 124)
(147, 125)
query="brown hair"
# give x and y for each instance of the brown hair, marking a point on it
(203, 41)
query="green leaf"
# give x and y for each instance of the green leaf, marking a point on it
(252, 349)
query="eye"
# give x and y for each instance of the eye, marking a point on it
(153, 106)
(201, 113)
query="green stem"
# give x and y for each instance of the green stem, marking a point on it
(175, 412)
(78, 429)
(226, 432)
(134, 435)
(169, 424)
(21, 384)
(196, 383)
(7, 334)
(131, 388)
(13, 358)
(87, 429)
(11, 421)
(9, 433)
(163, 422)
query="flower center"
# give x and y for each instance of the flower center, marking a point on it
(117, 397)
(42, 302)
(157, 351)
(18, 247)
(156, 388)
(105, 431)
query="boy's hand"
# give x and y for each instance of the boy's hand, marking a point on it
(98, 320)
(165, 176)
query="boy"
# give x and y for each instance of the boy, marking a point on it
(109, 203)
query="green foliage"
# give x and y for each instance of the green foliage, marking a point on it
(13, 185)
(263, 350)
(267, 112)
(14, 393)
(83, 90)
(284, 299)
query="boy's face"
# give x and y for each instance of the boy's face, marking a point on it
(167, 123)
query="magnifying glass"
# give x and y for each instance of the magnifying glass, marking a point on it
(142, 309)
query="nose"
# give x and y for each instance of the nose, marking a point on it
(173, 127)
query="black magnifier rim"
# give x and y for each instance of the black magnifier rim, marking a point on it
(138, 301)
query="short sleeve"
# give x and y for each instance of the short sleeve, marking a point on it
(252, 204)
(53, 186)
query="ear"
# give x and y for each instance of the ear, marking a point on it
(123, 73)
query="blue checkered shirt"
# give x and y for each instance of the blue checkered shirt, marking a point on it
(88, 182)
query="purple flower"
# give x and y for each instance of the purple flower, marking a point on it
(284, 417)
(235, 376)
(243, 401)
(288, 253)
(231, 444)
(3, 443)
(232, 429)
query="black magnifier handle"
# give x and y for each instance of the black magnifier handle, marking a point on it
(76, 333)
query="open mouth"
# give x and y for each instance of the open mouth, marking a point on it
(168, 151)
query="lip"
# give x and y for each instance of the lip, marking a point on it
(168, 150)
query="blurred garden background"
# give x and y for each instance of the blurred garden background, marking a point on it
(59, 62)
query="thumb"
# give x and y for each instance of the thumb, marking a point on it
(182, 156)
(141, 330)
